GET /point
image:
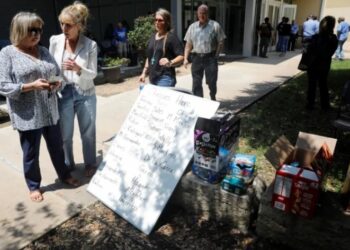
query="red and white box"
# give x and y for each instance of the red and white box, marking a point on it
(282, 197)
(306, 188)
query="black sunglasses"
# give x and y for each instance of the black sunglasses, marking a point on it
(35, 31)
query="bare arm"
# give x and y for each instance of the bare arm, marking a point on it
(188, 49)
(219, 48)
(142, 77)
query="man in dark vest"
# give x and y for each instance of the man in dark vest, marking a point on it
(265, 31)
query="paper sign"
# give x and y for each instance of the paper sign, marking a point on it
(149, 155)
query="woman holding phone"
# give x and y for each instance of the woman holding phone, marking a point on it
(77, 57)
(26, 68)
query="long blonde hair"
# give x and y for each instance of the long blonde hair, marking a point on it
(166, 16)
(78, 12)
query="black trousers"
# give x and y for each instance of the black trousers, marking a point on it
(30, 143)
(318, 77)
(207, 64)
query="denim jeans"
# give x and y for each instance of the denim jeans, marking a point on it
(71, 104)
(339, 52)
(209, 66)
(165, 81)
(284, 43)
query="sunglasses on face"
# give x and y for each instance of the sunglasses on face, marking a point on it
(35, 31)
(158, 20)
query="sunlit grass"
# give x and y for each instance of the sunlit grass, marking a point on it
(283, 113)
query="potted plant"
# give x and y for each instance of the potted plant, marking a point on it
(139, 36)
(111, 68)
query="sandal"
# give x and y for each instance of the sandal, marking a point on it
(347, 210)
(36, 195)
(72, 181)
(90, 171)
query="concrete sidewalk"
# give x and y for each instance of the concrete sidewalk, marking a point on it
(240, 83)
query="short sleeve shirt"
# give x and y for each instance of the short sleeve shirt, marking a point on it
(205, 38)
(172, 48)
(343, 31)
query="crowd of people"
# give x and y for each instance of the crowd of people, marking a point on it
(288, 34)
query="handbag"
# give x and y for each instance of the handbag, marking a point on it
(304, 62)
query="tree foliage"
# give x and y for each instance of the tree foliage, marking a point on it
(143, 29)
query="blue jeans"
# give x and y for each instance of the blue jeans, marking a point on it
(84, 107)
(339, 52)
(284, 43)
(165, 81)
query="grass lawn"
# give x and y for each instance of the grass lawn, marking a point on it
(283, 113)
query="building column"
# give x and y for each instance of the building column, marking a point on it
(176, 14)
(249, 28)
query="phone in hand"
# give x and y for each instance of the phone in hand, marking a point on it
(53, 80)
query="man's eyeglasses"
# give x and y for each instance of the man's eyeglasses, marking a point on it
(35, 31)
(158, 20)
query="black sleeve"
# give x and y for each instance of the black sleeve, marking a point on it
(175, 46)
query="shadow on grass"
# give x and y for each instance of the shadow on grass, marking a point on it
(283, 113)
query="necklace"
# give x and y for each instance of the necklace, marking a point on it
(164, 37)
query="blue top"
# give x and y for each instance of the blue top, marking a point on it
(310, 28)
(342, 31)
(120, 34)
(294, 29)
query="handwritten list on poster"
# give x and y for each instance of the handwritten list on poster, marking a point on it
(149, 154)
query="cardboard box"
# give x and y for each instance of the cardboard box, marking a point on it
(282, 197)
(240, 174)
(214, 143)
(242, 166)
(314, 154)
(310, 151)
(306, 188)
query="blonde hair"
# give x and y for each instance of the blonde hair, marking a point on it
(78, 12)
(20, 25)
(166, 16)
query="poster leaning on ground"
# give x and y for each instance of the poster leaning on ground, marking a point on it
(149, 154)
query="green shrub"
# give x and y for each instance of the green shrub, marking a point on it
(143, 29)
(110, 61)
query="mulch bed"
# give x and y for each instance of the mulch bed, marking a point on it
(98, 227)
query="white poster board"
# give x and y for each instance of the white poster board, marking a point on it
(149, 155)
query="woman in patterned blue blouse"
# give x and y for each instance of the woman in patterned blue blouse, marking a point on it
(25, 71)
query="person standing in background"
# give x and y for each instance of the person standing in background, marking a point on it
(309, 29)
(164, 52)
(120, 39)
(342, 35)
(321, 49)
(25, 75)
(293, 36)
(265, 31)
(205, 39)
(77, 56)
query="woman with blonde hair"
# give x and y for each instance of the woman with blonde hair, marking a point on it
(76, 55)
(27, 75)
(164, 52)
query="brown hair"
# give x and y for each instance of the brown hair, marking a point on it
(20, 24)
(166, 16)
